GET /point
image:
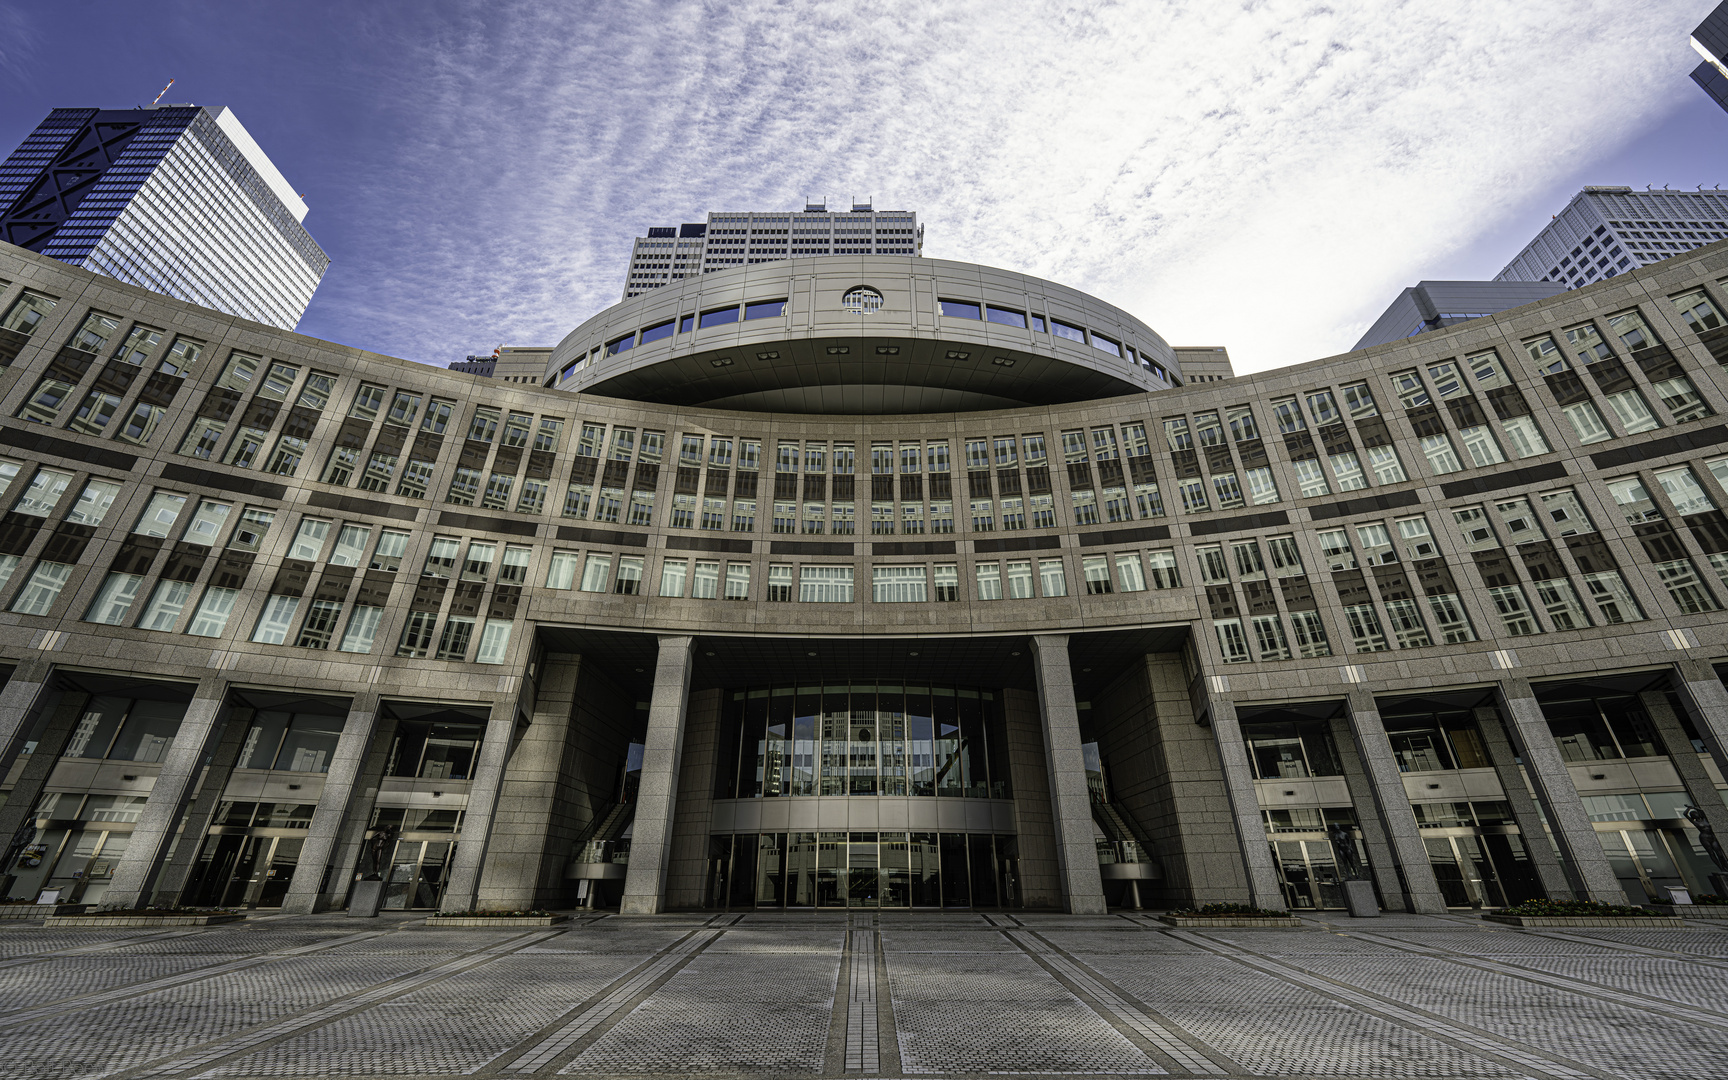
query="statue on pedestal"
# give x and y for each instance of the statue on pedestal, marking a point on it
(1343, 839)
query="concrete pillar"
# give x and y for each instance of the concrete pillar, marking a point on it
(1699, 787)
(135, 876)
(1701, 692)
(476, 835)
(27, 792)
(1392, 803)
(18, 701)
(313, 876)
(1070, 801)
(177, 868)
(1265, 887)
(352, 836)
(657, 797)
(1587, 865)
(1381, 862)
(1531, 829)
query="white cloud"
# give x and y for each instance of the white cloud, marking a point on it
(1263, 175)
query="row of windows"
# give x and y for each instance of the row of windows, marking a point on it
(1007, 316)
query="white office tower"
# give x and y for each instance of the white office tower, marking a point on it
(1606, 231)
(178, 199)
(736, 239)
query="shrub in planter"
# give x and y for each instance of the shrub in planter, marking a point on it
(1574, 909)
(1229, 911)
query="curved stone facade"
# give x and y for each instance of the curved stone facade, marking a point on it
(1446, 610)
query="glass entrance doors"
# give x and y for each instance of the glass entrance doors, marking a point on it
(863, 870)
(1310, 873)
(244, 871)
(1649, 862)
(417, 874)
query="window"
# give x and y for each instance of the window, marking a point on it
(441, 558)
(367, 401)
(673, 573)
(1096, 570)
(1634, 501)
(514, 569)
(1018, 575)
(320, 625)
(597, 573)
(285, 460)
(166, 603)
(278, 381)
(1441, 457)
(898, 585)
(705, 582)
(1052, 578)
(562, 572)
(989, 576)
(960, 309)
(416, 477)
(213, 611)
(387, 555)
(309, 541)
(1005, 316)
(114, 599)
(93, 503)
(27, 312)
(484, 425)
(1680, 578)
(438, 415)
(276, 619)
(861, 300)
(629, 578)
(947, 581)
(43, 494)
(206, 523)
(1698, 311)
(416, 640)
(478, 565)
(1516, 618)
(765, 309)
(719, 317)
(825, 584)
(494, 642)
(453, 642)
(1681, 486)
(339, 469)
(1586, 422)
(737, 581)
(142, 424)
(1067, 330)
(45, 402)
(362, 629)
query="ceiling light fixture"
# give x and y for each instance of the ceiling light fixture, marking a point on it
(723, 361)
(887, 350)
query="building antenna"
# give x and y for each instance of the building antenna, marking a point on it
(164, 91)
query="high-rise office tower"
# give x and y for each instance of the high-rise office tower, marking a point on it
(1431, 305)
(737, 239)
(1711, 41)
(178, 199)
(1606, 231)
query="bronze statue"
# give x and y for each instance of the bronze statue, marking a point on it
(1707, 836)
(1343, 839)
(21, 839)
(382, 837)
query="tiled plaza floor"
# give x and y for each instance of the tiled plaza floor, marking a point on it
(867, 995)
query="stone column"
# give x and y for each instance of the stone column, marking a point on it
(313, 875)
(177, 869)
(656, 799)
(1070, 801)
(1586, 864)
(1265, 887)
(27, 792)
(1701, 692)
(135, 877)
(1531, 828)
(1392, 803)
(18, 701)
(1699, 787)
(1380, 860)
(352, 836)
(476, 835)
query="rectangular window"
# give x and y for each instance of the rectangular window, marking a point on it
(705, 583)
(441, 558)
(484, 426)
(562, 572)
(1408, 629)
(1262, 489)
(387, 556)
(825, 584)
(1633, 412)
(416, 641)
(1096, 571)
(497, 495)
(367, 401)
(1516, 618)
(989, 576)
(1148, 502)
(673, 573)
(45, 490)
(1480, 445)
(737, 581)
(1366, 633)
(1228, 491)
(1269, 637)
(1067, 330)
(166, 603)
(453, 642)
(1560, 601)
(320, 625)
(1441, 457)
(213, 611)
(1129, 576)
(959, 309)
(946, 579)
(744, 515)
(362, 629)
(779, 582)
(1310, 481)
(339, 469)
(1005, 316)
(1193, 496)
(309, 541)
(1019, 580)
(114, 600)
(285, 459)
(45, 402)
(1310, 635)
(765, 309)
(1681, 486)
(494, 642)
(276, 620)
(93, 503)
(1524, 436)
(597, 574)
(1348, 471)
(416, 478)
(577, 500)
(629, 579)
(142, 424)
(1161, 570)
(1681, 580)
(1232, 643)
(478, 565)
(1052, 578)
(381, 472)
(27, 312)
(1586, 422)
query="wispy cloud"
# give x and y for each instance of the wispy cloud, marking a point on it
(1262, 174)
(20, 38)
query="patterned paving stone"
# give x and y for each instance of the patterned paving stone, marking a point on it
(1326, 1039)
(999, 1013)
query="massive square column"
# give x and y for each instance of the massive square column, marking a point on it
(656, 800)
(1070, 802)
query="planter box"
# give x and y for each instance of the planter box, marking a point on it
(1230, 922)
(40, 911)
(1696, 911)
(132, 921)
(493, 922)
(1560, 922)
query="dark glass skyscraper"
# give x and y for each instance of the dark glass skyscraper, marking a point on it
(1711, 41)
(178, 199)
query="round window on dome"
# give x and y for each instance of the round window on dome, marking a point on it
(862, 300)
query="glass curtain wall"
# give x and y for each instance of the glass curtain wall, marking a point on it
(863, 869)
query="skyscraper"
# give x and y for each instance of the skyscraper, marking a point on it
(1711, 41)
(739, 239)
(1430, 305)
(1606, 231)
(178, 199)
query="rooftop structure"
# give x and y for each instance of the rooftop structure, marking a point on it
(178, 199)
(1606, 231)
(735, 238)
(1431, 305)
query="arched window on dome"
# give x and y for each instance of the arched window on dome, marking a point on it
(862, 300)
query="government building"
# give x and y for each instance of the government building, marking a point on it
(863, 581)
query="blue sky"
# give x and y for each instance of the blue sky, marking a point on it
(1264, 175)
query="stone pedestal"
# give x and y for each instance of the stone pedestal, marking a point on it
(364, 900)
(1359, 898)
